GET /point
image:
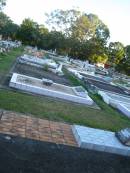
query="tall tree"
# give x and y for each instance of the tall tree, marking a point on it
(78, 25)
(43, 30)
(101, 31)
(62, 20)
(29, 32)
(4, 22)
(124, 64)
(10, 31)
(82, 28)
(116, 52)
(89, 26)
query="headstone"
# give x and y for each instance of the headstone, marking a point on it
(124, 136)
(47, 82)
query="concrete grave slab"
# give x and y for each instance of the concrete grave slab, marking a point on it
(56, 90)
(99, 140)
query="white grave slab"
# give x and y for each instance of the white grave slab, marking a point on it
(114, 98)
(120, 102)
(125, 109)
(32, 60)
(37, 86)
(99, 140)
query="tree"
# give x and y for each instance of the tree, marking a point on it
(29, 32)
(7, 27)
(78, 25)
(101, 31)
(127, 50)
(2, 4)
(10, 31)
(124, 64)
(62, 20)
(89, 26)
(43, 30)
(82, 28)
(4, 20)
(99, 58)
(54, 40)
(116, 52)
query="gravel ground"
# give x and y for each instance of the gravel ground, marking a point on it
(94, 78)
(107, 87)
(18, 155)
(39, 73)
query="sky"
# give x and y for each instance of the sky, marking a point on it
(114, 13)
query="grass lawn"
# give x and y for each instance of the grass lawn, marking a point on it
(6, 60)
(44, 107)
(54, 109)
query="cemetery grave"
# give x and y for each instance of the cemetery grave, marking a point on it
(47, 64)
(101, 83)
(123, 83)
(99, 78)
(40, 73)
(122, 103)
(110, 98)
(107, 87)
(48, 107)
(6, 46)
(99, 140)
(103, 80)
(34, 52)
(37, 86)
(124, 108)
(35, 61)
(124, 136)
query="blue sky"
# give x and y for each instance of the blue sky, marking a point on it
(114, 13)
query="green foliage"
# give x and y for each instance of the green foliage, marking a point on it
(4, 20)
(62, 20)
(10, 31)
(53, 109)
(46, 67)
(7, 27)
(116, 52)
(124, 66)
(99, 58)
(43, 30)
(89, 26)
(7, 59)
(84, 35)
(48, 108)
(74, 33)
(78, 25)
(28, 32)
(82, 28)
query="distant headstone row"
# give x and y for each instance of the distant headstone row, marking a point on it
(6, 46)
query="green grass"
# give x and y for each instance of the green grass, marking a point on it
(48, 108)
(54, 109)
(6, 60)
(105, 109)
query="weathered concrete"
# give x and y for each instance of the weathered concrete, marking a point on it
(99, 140)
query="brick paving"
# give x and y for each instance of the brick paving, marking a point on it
(16, 124)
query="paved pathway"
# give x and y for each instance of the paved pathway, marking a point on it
(34, 128)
